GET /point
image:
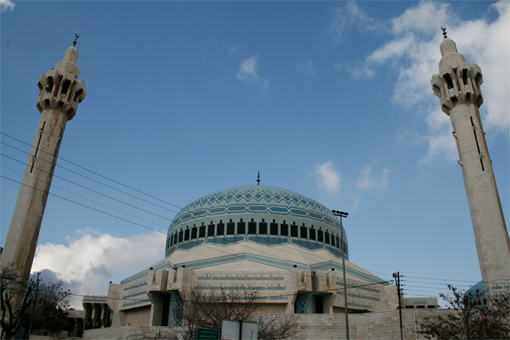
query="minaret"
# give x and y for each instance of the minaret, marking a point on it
(458, 87)
(60, 93)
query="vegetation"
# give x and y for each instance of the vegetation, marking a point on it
(49, 313)
(42, 305)
(471, 317)
(208, 311)
(12, 309)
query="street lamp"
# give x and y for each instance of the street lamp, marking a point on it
(343, 214)
(396, 276)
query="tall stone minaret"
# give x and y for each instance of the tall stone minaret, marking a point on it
(458, 87)
(60, 93)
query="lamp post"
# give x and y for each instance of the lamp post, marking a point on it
(396, 276)
(343, 214)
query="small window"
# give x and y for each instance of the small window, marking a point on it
(194, 233)
(241, 227)
(252, 228)
(332, 239)
(210, 230)
(294, 230)
(175, 238)
(220, 229)
(186, 235)
(273, 229)
(320, 235)
(312, 234)
(201, 231)
(337, 242)
(304, 232)
(231, 228)
(180, 235)
(284, 230)
(326, 237)
(263, 228)
(171, 240)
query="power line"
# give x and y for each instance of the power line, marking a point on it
(91, 190)
(86, 206)
(89, 199)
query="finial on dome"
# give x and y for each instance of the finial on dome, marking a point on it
(75, 39)
(258, 178)
(444, 32)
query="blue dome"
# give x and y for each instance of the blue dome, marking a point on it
(274, 210)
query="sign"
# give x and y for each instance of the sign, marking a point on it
(206, 334)
(239, 330)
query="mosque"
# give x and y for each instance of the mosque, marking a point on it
(290, 249)
(287, 247)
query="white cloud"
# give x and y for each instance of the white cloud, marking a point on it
(441, 146)
(414, 54)
(231, 48)
(87, 264)
(344, 18)
(367, 181)
(306, 67)
(427, 17)
(6, 5)
(356, 71)
(248, 73)
(328, 178)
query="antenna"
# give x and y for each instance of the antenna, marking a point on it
(258, 178)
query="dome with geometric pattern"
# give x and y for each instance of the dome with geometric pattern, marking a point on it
(257, 213)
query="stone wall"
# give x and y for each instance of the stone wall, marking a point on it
(375, 326)
(132, 333)
(367, 326)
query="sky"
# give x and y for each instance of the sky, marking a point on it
(329, 99)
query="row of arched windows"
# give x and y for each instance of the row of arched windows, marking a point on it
(257, 229)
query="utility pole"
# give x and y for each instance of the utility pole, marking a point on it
(396, 276)
(344, 214)
(33, 306)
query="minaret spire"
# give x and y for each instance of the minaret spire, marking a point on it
(258, 178)
(444, 31)
(458, 87)
(60, 93)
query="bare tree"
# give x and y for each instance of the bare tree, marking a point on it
(13, 317)
(203, 310)
(471, 317)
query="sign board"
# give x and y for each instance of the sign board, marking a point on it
(206, 334)
(239, 330)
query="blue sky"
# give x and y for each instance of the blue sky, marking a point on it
(329, 99)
